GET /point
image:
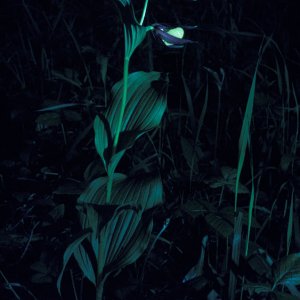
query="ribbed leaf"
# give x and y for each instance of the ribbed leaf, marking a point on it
(85, 263)
(97, 189)
(123, 239)
(259, 265)
(68, 253)
(134, 35)
(287, 270)
(90, 218)
(134, 248)
(219, 224)
(146, 104)
(140, 192)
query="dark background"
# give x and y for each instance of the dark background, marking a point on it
(39, 39)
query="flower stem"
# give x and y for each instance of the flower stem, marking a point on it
(144, 12)
(118, 130)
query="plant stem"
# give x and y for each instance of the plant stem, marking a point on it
(99, 289)
(123, 104)
(144, 12)
(117, 134)
(9, 286)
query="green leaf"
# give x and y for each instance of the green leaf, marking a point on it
(48, 120)
(218, 223)
(257, 288)
(235, 254)
(69, 75)
(191, 154)
(41, 278)
(68, 253)
(124, 2)
(58, 106)
(93, 170)
(57, 212)
(90, 218)
(228, 179)
(259, 264)
(245, 135)
(134, 35)
(123, 239)
(72, 116)
(146, 104)
(285, 296)
(197, 208)
(85, 263)
(44, 271)
(197, 269)
(287, 270)
(228, 213)
(140, 192)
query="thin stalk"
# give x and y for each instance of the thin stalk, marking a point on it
(79, 53)
(9, 286)
(117, 134)
(221, 195)
(73, 285)
(123, 104)
(144, 12)
(218, 125)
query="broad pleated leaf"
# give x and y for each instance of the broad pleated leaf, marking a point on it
(123, 239)
(139, 192)
(146, 104)
(68, 253)
(287, 270)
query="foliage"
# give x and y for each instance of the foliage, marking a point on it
(144, 160)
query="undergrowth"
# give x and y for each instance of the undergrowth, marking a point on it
(149, 151)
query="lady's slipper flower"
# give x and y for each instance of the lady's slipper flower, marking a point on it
(172, 37)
